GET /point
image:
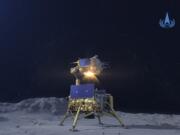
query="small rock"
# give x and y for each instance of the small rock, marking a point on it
(17, 126)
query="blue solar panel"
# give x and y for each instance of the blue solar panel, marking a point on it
(82, 91)
(84, 62)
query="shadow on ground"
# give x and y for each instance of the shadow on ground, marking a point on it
(2, 119)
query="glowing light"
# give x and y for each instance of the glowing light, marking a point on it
(89, 74)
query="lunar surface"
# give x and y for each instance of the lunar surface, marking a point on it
(41, 116)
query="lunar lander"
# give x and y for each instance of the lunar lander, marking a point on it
(84, 99)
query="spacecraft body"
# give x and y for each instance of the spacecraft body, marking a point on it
(84, 98)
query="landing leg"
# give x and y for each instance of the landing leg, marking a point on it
(99, 120)
(117, 117)
(76, 118)
(66, 115)
(64, 118)
(87, 115)
(110, 104)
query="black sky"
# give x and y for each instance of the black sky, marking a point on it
(39, 39)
